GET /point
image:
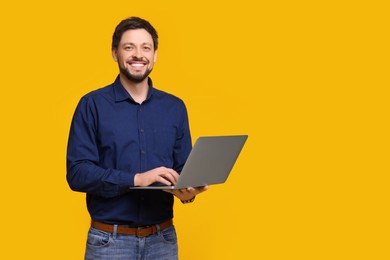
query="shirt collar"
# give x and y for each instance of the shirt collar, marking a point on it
(121, 93)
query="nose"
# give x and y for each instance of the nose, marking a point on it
(137, 53)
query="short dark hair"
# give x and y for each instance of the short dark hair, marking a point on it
(133, 23)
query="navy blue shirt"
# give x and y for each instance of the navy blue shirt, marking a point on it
(112, 138)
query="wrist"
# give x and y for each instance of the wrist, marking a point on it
(137, 179)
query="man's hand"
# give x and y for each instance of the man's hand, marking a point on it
(161, 174)
(188, 193)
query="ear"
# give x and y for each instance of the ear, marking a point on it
(155, 57)
(114, 55)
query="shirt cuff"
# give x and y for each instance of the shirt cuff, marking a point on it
(126, 180)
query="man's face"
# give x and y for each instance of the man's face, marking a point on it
(135, 55)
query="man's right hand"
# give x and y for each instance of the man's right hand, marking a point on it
(163, 175)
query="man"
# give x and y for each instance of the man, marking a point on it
(130, 134)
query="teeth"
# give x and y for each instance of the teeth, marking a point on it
(137, 65)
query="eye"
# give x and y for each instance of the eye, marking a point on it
(147, 48)
(128, 48)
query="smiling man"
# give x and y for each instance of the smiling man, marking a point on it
(130, 134)
(135, 55)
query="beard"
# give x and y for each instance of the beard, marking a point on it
(135, 78)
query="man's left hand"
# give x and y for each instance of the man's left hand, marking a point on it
(188, 193)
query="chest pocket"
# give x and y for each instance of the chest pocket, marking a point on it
(164, 141)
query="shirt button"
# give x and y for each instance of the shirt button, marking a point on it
(141, 130)
(139, 110)
(143, 152)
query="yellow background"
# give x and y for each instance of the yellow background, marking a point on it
(306, 80)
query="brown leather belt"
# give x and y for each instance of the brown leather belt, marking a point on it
(139, 232)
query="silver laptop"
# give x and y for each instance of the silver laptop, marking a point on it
(210, 162)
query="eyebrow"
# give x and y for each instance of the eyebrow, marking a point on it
(130, 43)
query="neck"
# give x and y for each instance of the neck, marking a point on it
(138, 91)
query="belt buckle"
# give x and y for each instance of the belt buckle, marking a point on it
(140, 233)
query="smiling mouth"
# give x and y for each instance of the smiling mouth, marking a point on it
(137, 65)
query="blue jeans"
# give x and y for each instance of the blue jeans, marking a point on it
(102, 245)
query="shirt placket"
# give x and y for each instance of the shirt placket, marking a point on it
(142, 138)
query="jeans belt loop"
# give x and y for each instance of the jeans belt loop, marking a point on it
(139, 232)
(115, 231)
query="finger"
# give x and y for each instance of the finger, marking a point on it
(164, 181)
(182, 191)
(174, 174)
(170, 175)
(196, 190)
(203, 188)
(190, 189)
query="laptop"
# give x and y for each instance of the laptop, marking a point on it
(210, 162)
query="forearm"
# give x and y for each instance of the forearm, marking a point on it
(90, 178)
